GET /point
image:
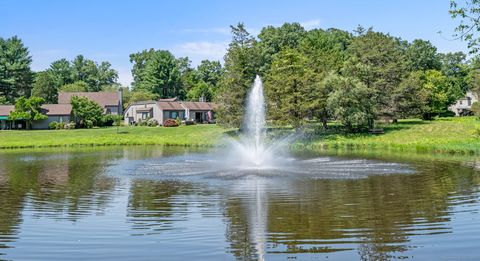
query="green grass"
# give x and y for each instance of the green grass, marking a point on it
(195, 135)
(445, 135)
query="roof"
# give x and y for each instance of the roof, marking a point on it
(102, 98)
(168, 100)
(200, 106)
(57, 109)
(170, 105)
(6, 109)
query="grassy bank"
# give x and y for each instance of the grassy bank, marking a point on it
(445, 135)
(196, 135)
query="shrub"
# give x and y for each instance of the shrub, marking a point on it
(152, 122)
(70, 125)
(179, 122)
(52, 125)
(476, 109)
(108, 120)
(88, 124)
(170, 123)
(60, 126)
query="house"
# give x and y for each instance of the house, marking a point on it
(464, 105)
(110, 101)
(55, 112)
(164, 109)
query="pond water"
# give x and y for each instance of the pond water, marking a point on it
(150, 203)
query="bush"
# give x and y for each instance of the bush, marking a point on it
(60, 126)
(179, 122)
(70, 125)
(108, 120)
(152, 122)
(476, 109)
(88, 124)
(170, 123)
(52, 125)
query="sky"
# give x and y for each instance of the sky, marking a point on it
(109, 30)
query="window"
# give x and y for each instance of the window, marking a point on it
(469, 101)
(144, 115)
(173, 114)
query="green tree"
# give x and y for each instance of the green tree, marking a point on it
(241, 66)
(411, 98)
(78, 86)
(134, 96)
(422, 55)
(455, 68)
(156, 71)
(291, 89)
(274, 39)
(28, 109)
(210, 72)
(62, 72)
(45, 87)
(15, 75)
(326, 50)
(377, 60)
(3, 100)
(441, 93)
(351, 102)
(87, 112)
(469, 25)
(200, 90)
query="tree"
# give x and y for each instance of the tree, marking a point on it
(441, 91)
(326, 50)
(241, 66)
(274, 39)
(422, 55)
(117, 121)
(377, 60)
(28, 109)
(3, 100)
(351, 102)
(87, 112)
(200, 90)
(455, 68)
(45, 87)
(210, 72)
(78, 86)
(411, 98)
(156, 71)
(15, 75)
(291, 89)
(62, 72)
(134, 96)
(469, 26)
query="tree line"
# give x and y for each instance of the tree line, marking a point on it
(354, 77)
(157, 74)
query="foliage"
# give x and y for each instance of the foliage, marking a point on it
(351, 102)
(170, 123)
(201, 90)
(129, 97)
(157, 72)
(179, 121)
(79, 86)
(476, 109)
(292, 88)
(52, 125)
(3, 100)
(469, 25)
(45, 87)
(28, 109)
(152, 122)
(15, 75)
(87, 112)
(241, 66)
(422, 55)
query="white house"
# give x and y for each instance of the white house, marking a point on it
(464, 104)
(164, 109)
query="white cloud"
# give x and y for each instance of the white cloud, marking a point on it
(198, 51)
(311, 24)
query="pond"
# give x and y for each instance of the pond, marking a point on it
(151, 203)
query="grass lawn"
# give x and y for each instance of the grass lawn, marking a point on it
(195, 135)
(447, 135)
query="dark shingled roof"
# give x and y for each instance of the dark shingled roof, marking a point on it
(200, 106)
(57, 109)
(102, 98)
(170, 105)
(6, 109)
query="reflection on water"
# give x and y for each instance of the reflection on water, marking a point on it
(152, 203)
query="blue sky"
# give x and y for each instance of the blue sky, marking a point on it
(111, 30)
